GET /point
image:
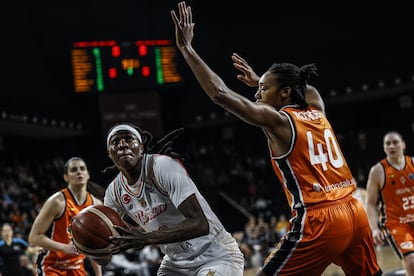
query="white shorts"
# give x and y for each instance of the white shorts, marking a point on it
(223, 259)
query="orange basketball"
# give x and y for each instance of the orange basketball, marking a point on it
(91, 230)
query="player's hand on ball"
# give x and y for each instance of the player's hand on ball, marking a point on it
(126, 240)
(92, 228)
(70, 249)
(123, 231)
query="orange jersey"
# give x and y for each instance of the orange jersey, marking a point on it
(328, 224)
(397, 193)
(396, 200)
(314, 169)
(59, 232)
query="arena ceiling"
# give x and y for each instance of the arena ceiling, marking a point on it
(353, 44)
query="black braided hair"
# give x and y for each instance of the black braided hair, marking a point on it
(296, 77)
(164, 145)
(161, 146)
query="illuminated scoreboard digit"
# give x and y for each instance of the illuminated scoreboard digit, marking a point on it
(112, 66)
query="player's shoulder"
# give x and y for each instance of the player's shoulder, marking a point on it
(377, 166)
(376, 171)
(161, 160)
(56, 198)
(54, 203)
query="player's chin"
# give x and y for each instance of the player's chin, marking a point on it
(126, 162)
(125, 158)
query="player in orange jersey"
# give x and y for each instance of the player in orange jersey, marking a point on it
(328, 225)
(50, 228)
(390, 185)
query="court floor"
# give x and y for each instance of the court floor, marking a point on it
(387, 259)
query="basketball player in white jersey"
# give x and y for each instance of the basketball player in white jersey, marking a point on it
(156, 192)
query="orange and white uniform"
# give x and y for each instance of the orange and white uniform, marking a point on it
(397, 206)
(55, 262)
(328, 224)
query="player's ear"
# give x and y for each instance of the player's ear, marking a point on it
(287, 90)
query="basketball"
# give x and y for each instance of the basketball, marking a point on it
(91, 230)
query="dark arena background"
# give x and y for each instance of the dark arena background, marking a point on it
(70, 70)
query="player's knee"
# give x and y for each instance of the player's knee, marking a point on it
(409, 263)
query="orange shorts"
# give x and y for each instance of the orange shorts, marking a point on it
(52, 271)
(401, 237)
(336, 233)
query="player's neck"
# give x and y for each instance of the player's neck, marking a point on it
(133, 175)
(397, 162)
(78, 193)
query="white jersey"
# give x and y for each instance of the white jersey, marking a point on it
(152, 202)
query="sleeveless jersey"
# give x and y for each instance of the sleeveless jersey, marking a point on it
(152, 202)
(397, 193)
(326, 219)
(314, 169)
(60, 232)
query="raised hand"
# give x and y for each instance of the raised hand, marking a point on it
(249, 77)
(184, 26)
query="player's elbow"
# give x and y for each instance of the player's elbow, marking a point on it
(205, 229)
(32, 239)
(219, 95)
(200, 227)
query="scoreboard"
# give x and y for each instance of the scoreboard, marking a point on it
(123, 66)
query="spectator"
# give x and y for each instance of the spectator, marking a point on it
(282, 226)
(11, 249)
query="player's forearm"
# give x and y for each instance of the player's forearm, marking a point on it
(184, 231)
(313, 98)
(372, 218)
(47, 243)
